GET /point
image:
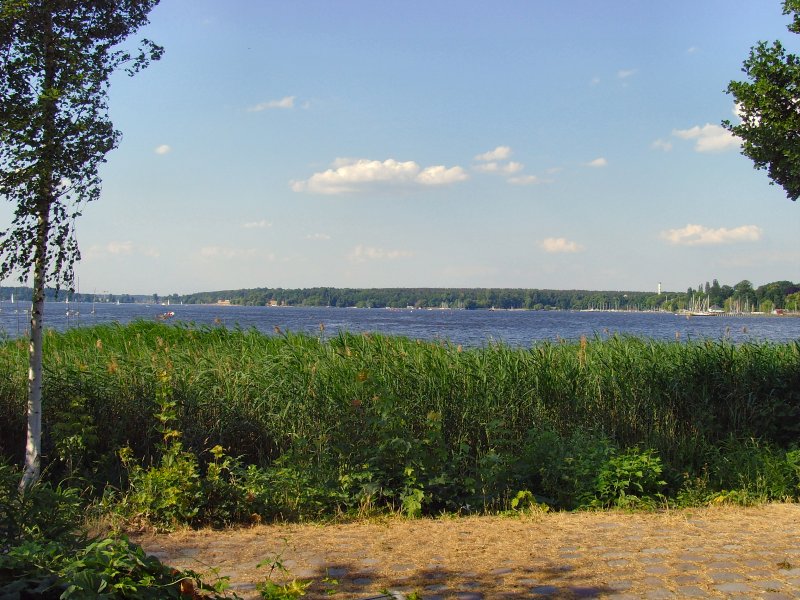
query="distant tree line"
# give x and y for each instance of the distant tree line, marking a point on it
(742, 297)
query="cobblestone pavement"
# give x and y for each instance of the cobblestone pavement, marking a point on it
(704, 553)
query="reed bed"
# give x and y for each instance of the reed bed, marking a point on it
(390, 415)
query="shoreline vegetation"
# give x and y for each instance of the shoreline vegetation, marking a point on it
(362, 422)
(742, 298)
(161, 426)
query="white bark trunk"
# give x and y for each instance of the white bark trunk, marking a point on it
(33, 447)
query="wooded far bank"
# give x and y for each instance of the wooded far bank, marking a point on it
(742, 297)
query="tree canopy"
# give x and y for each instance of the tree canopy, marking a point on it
(56, 58)
(768, 104)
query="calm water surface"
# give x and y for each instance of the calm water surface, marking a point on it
(467, 327)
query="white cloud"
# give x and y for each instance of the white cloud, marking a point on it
(262, 224)
(559, 245)
(692, 50)
(163, 149)
(119, 247)
(625, 73)
(499, 153)
(698, 235)
(353, 175)
(709, 138)
(660, 144)
(496, 167)
(362, 253)
(440, 175)
(524, 180)
(597, 162)
(318, 236)
(285, 102)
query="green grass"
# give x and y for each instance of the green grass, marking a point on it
(366, 419)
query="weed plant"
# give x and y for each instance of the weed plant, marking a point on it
(306, 426)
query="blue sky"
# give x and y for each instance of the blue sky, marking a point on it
(379, 144)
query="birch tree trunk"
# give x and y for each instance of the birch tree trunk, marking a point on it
(33, 446)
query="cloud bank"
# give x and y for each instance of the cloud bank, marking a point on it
(496, 162)
(354, 175)
(499, 153)
(285, 102)
(559, 246)
(709, 138)
(698, 235)
(262, 224)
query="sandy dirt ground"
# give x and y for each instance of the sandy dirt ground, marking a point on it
(718, 552)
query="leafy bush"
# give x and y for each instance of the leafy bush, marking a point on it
(44, 554)
(628, 479)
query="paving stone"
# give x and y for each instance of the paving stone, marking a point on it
(777, 596)
(399, 567)
(619, 586)
(687, 579)
(433, 574)
(502, 571)
(685, 566)
(732, 546)
(618, 563)
(722, 564)
(728, 588)
(362, 581)
(724, 576)
(468, 596)
(756, 563)
(436, 587)
(585, 592)
(655, 551)
(659, 594)
(690, 557)
(543, 590)
(770, 585)
(656, 570)
(691, 591)
(615, 555)
(336, 572)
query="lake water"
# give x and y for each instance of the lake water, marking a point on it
(466, 327)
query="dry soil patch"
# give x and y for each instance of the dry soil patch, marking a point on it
(719, 552)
